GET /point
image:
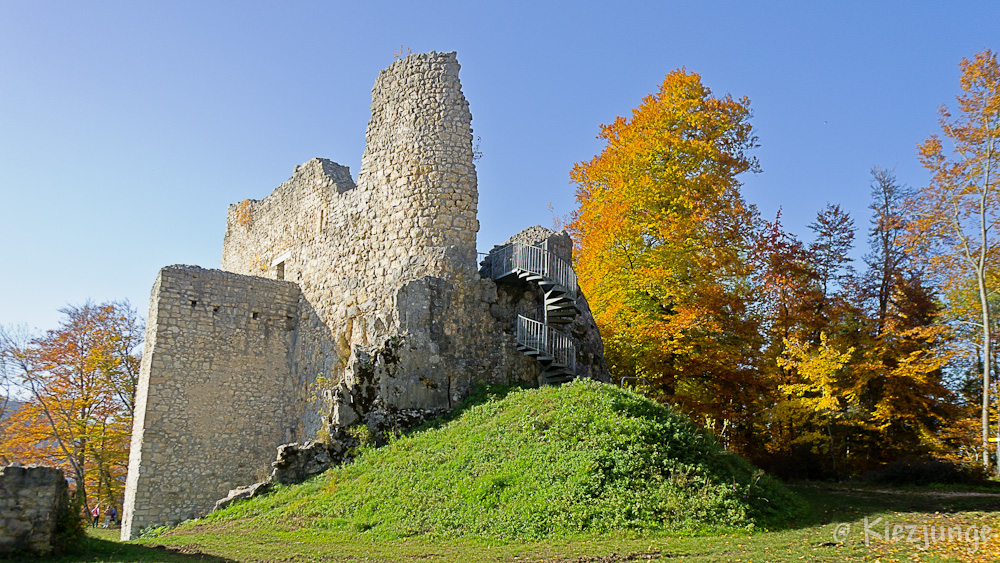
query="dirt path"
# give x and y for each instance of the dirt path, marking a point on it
(927, 494)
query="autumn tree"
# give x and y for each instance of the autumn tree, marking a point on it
(955, 213)
(898, 380)
(786, 289)
(854, 363)
(663, 237)
(11, 338)
(813, 394)
(78, 382)
(6, 401)
(828, 256)
(887, 258)
(808, 322)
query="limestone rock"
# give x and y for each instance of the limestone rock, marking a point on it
(241, 493)
(298, 462)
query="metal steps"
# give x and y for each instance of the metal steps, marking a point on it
(542, 339)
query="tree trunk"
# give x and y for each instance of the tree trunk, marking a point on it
(986, 310)
(80, 475)
(984, 304)
(987, 365)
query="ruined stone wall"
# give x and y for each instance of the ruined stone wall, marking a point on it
(359, 252)
(213, 393)
(305, 232)
(33, 500)
(347, 303)
(413, 212)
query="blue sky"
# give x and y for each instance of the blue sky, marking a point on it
(127, 128)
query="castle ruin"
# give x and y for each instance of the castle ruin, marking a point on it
(342, 303)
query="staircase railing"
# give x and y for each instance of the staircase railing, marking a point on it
(554, 349)
(559, 346)
(516, 256)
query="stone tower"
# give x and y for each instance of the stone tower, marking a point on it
(338, 303)
(419, 154)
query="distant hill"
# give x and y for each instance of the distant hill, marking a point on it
(536, 463)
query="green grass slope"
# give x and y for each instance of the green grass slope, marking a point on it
(583, 457)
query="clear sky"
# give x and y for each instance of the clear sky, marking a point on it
(127, 128)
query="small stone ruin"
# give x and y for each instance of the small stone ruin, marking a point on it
(34, 502)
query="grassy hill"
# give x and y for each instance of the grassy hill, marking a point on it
(534, 463)
(580, 473)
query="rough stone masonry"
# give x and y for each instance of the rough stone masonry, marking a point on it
(33, 500)
(339, 303)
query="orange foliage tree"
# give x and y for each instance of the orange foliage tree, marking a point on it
(957, 211)
(779, 347)
(663, 236)
(77, 384)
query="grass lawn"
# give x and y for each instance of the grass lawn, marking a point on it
(582, 472)
(811, 539)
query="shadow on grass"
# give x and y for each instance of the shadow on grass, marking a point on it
(94, 549)
(842, 502)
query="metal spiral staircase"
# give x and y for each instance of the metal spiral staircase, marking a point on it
(540, 333)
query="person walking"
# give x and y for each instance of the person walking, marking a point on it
(96, 513)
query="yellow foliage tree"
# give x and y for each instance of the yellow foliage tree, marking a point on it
(819, 389)
(812, 400)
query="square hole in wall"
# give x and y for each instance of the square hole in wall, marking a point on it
(279, 271)
(255, 315)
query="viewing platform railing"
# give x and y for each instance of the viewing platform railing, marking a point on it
(518, 256)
